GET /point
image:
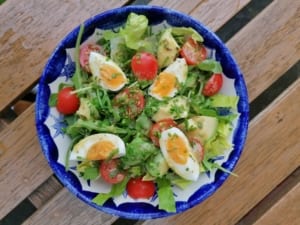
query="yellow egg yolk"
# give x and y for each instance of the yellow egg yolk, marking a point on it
(177, 149)
(164, 84)
(101, 150)
(111, 77)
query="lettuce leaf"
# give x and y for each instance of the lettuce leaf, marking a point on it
(165, 195)
(220, 100)
(210, 65)
(134, 30)
(137, 152)
(219, 143)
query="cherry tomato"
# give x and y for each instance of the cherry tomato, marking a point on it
(110, 173)
(193, 52)
(213, 85)
(131, 100)
(158, 127)
(197, 149)
(137, 188)
(84, 54)
(67, 102)
(144, 66)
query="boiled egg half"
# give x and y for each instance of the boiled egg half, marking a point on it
(167, 82)
(98, 147)
(108, 73)
(177, 151)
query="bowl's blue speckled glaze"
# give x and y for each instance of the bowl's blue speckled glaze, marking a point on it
(111, 19)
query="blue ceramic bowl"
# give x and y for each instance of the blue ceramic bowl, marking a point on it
(61, 66)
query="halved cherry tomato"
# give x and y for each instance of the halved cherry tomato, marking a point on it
(137, 188)
(144, 66)
(193, 52)
(158, 127)
(67, 102)
(131, 100)
(213, 85)
(197, 149)
(84, 54)
(110, 173)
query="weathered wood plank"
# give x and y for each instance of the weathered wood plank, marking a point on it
(3, 124)
(23, 167)
(274, 32)
(216, 13)
(65, 209)
(180, 5)
(45, 192)
(29, 31)
(286, 211)
(212, 13)
(264, 149)
(271, 199)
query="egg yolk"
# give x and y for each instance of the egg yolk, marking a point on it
(177, 149)
(101, 150)
(164, 84)
(112, 77)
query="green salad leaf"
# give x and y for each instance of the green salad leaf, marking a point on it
(134, 30)
(137, 152)
(116, 190)
(88, 169)
(187, 32)
(165, 195)
(220, 100)
(77, 79)
(210, 65)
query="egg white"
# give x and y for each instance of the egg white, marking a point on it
(96, 62)
(189, 170)
(81, 149)
(179, 70)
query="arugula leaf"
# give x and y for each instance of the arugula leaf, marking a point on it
(116, 190)
(77, 79)
(67, 159)
(210, 65)
(165, 195)
(209, 165)
(87, 126)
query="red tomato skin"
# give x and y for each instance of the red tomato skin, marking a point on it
(137, 188)
(144, 66)
(213, 85)
(158, 127)
(110, 173)
(67, 102)
(84, 54)
(132, 99)
(193, 52)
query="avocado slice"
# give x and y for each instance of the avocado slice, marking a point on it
(200, 127)
(167, 49)
(177, 108)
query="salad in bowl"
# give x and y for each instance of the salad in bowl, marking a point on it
(142, 117)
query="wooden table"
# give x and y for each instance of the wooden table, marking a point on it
(264, 37)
